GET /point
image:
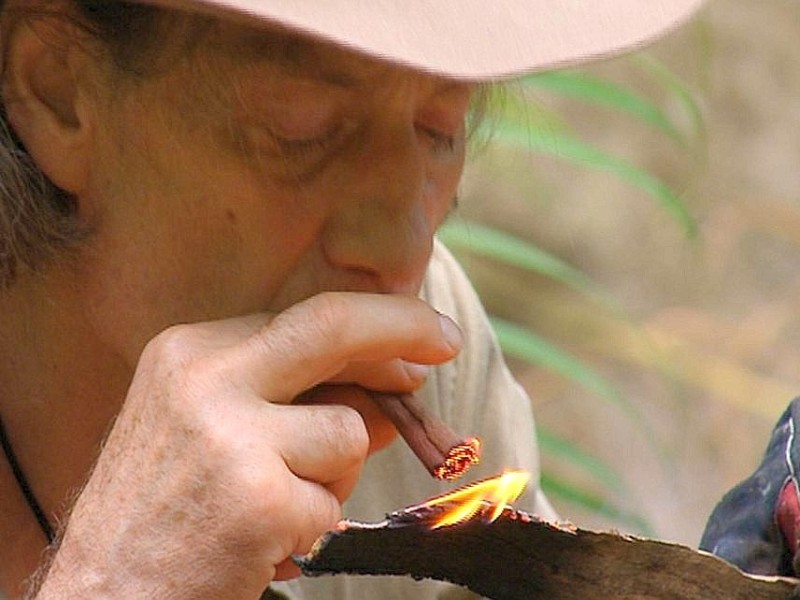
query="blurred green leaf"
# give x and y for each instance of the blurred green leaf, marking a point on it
(563, 448)
(522, 343)
(510, 250)
(514, 104)
(521, 120)
(597, 91)
(557, 488)
(519, 342)
(570, 148)
(679, 91)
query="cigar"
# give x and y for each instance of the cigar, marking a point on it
(446, 455)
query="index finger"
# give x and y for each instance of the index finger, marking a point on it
(314, 340)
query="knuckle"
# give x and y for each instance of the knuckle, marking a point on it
(330, 314)
(325, 511)
(172, 347)
(347, 435)
(177, 356)
(261, 490)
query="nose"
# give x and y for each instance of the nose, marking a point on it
(387, 212)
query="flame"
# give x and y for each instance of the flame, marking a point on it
(488, 497)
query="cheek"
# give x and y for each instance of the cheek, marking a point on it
(141, 281)
(184, 231)
(182, 249)
(441, 188)
(252, 248)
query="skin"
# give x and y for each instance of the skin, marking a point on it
(246, 247)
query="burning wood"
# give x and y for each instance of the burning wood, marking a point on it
(488, 498)
(517, 556)
(446, 455)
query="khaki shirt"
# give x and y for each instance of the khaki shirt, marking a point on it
(476, 395)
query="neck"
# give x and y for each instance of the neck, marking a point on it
(23, 540)
(59, 391)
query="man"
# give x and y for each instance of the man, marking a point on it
(217, 217)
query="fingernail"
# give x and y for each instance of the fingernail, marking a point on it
(416, 372)
(451, 332)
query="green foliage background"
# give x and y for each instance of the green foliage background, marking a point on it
(524, 118)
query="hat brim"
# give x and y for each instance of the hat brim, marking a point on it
(470, 39)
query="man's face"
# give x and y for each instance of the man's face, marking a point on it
(228, 185)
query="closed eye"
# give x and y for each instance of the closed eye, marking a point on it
(440, 142)
(300, 147)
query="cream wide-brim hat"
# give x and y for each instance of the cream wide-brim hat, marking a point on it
(470, 39)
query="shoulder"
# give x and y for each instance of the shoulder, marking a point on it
(448, 289)
(461, 385)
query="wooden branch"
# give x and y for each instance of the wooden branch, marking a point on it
(519, 557)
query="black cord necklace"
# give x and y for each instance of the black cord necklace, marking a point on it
(24, 487)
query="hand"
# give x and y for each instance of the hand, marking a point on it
(211, 479)
(756, 526)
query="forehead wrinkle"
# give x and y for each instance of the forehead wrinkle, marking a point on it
(297, 56)
(264, 56)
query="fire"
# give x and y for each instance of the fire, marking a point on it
(488, 497)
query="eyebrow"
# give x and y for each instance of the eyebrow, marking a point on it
(305, 58)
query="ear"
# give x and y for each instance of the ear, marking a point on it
(48, 107)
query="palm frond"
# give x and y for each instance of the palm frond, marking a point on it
(590, 89)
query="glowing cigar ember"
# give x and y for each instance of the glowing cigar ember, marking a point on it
(488, 497)
(446, 455)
